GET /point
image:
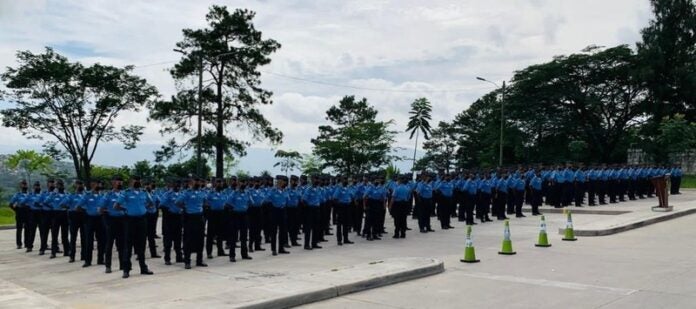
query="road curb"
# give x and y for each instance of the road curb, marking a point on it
(631, 225)
(435, 266)
(581, 210)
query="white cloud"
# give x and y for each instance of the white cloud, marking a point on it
(412, 47)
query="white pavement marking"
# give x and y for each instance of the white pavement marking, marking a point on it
(552, 283)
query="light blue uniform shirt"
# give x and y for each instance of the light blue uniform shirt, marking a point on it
(344, 195)
(424, 190)
(135, 202)
(216, 200)
(192, 201)
(239, 201)
(109, 201)
(312, 196)
(278, 198)
(401, 193)
(91, 203)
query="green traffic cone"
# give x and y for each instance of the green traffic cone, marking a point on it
(469, 252)
(569, 233)
(507, 243)
(543, 238)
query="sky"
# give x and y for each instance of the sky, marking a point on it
(390, 52)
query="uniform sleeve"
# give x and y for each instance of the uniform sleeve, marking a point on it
(121, 199)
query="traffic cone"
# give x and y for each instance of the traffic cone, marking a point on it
(543, 238)
(569, 233)
(469, 252)
(507, 243)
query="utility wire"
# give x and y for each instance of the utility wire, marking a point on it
(311, 81)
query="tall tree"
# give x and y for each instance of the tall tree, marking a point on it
(73, 105)
(355, 142)
(594, 96)
(668, 56)
(419, 121)
(311, 165)
(30, 162)
(229, 52)
(289, 160)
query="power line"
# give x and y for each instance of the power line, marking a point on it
(153, 64)
(364, 88)
(306, 80)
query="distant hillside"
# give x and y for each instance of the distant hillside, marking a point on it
(9, 178)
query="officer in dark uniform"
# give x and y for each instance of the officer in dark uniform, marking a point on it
(485, 195)
(152, 217)
(311, 197)
(375, 197)
(192, 200)
(267, 210)
(293, 211)
(134, 202)
(21, 213)
(255, 214)
(535, 185)
(59, 221)
(445, 190)
(35, 215)
(399, 206)
(278, 197)
(424, 202)
(76, 219)
(46, 217)
(218, 220)
(92, 202)
(172, 223)
(238, 202)
(114, 220)
(344, 196)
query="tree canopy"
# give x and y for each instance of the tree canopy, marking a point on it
(229, 51)
(73, 106)
(355, 142)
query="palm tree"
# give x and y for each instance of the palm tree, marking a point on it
(419, 121)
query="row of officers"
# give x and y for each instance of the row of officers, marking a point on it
(224, 216)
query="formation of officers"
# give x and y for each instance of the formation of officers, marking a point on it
(223, 216)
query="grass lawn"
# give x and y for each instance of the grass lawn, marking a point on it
(688, 181)
(7, 216)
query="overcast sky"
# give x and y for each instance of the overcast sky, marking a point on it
(390, 52)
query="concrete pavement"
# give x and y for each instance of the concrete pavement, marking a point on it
(647, 266)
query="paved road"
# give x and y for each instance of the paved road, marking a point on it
(650, 267)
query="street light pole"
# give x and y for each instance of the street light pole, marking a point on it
(200, 117)
(199, 136)
(502, 122)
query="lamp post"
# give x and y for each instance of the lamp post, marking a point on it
(502, 105)
(200, 108)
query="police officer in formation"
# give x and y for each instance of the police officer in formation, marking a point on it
(241, 213)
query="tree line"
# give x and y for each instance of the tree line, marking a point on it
(591, 106)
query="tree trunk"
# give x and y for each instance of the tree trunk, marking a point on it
(415, 148)
(76, 164)
(87, 172)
